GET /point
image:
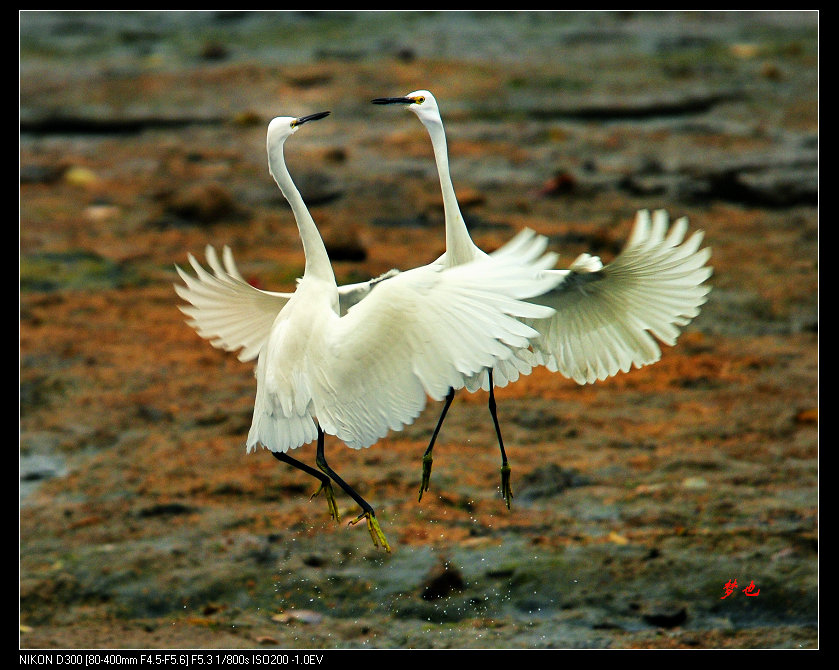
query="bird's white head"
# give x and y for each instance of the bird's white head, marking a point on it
(283, 127)
(421, 103)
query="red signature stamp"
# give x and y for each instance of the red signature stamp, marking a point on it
(731, 586)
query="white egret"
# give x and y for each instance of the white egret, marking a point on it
(359, 374)
(607, 317)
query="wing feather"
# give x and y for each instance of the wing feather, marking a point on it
(226, 310)
(609, 318)
(404, 337)
(230, 313)
(421, 333)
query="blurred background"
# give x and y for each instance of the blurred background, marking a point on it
(143, 522)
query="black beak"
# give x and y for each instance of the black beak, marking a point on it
(392, 101)
(311, 117)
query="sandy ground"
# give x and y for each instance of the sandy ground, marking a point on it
(143, 522)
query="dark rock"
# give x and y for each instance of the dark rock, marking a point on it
(535, 419)
(39, 467)
(645, 107)
(38, 122)
(201, 203)
(345, 245)
(548, 481)
(775, 188)
(164, 509)
(783, 178)
(443, 583)
(667, 617)
(40, 174)
(214, 51)
(317, 189)
(314, 561)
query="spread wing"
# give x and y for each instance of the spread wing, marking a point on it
(608, 317)
(226, 310)
(230, 313)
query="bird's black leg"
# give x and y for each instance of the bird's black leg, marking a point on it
(506, 491)
(426, 458)
(325, 482)
(368, 513)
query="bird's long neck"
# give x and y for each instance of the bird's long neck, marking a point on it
(317, 260)
(459, 245)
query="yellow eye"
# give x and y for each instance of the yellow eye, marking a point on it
(419, 99)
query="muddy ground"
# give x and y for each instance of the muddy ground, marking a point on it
(143, 522)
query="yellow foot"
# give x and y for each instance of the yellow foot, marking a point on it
(506, 490)
(375, 530)
(426, 474)
(326, 487)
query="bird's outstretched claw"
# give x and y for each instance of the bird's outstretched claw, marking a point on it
(326, 487)
(375, 530)
(506, 490)
(426, 474)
